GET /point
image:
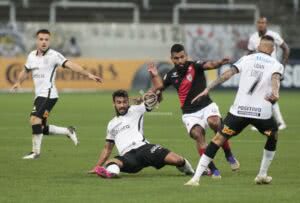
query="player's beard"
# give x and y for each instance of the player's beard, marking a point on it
(181, 70)
(123, 113)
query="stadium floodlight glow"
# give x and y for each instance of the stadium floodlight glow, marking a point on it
(89, 4)
(203, 6)
(12, 10)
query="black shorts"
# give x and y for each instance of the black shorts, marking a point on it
(42, 107)
(233, 125)
(144, 156)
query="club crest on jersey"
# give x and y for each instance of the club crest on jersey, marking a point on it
(174, 75)
(189, 77)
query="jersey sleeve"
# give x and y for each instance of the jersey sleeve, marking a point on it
(167, 80)
(251, 44)
(28, 66)
(279, 69)
(60, 59)
(199, 64)
(277, 39)
(109, 135)
(239, 64)
(140, 109)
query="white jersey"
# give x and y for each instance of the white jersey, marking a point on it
(254, 41)
(127, 131)
(44, 71)
(255, 83)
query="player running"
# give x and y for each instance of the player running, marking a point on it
(188, 77)
(125, 131)
(253, 43)
(258, 90)
(43, 63)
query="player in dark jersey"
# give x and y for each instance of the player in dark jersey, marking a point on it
(189, 80)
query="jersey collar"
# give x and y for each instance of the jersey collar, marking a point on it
(44, 53)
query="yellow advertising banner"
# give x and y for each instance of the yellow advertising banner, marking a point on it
(116, 74)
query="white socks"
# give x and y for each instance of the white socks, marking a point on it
(36, 143)
(277, 113)
(113, 168)
(266, 162)
(202, 166)
(53, 129)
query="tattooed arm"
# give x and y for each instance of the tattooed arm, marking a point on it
(274, 96)
(224, 77)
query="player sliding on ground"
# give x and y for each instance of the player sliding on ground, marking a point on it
(258, 90)
(125, 131)
(42, 63)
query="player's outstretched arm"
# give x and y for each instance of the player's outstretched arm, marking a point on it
(155, 78)
(106, 152)
(21, 77)
(224, 77)
(274, 96)
(286, 52)
(209, 65)
(77, 68)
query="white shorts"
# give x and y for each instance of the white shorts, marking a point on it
(200, 117)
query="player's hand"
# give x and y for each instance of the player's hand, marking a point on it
(225, 60)
(152, 69)
(15, 87)
(95, 78)
(198, 97)
(272, 98)
(92, 171)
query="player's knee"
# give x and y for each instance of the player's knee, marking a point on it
(197, 133)
(35, 120)
(37, 129)
(214, 123)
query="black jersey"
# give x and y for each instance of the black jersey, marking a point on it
(188, 83)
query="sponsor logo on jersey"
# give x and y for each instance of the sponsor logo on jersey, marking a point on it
(174, 75)
(189, 77)
(116, 130)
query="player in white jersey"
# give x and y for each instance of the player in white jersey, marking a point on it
(43, 63)
(125, 131)
(258, 90)
(278, 43)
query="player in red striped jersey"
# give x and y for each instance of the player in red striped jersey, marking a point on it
(188, 78)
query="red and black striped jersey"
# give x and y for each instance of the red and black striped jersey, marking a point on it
(188, 83)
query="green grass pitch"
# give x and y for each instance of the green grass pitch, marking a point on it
(60, 173)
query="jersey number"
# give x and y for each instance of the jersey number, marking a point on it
(254, 85)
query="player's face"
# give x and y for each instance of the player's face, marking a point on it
(261, 25)
(179, 58)
(42, 42)
(121, 105)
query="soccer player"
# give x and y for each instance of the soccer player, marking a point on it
(253, 43)
(188, 77)
(125, 131)
(258, 90)
(42, 63)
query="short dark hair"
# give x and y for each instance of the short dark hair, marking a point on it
(43, 31)
(267, 37)
(120, 93)
(177, 48)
